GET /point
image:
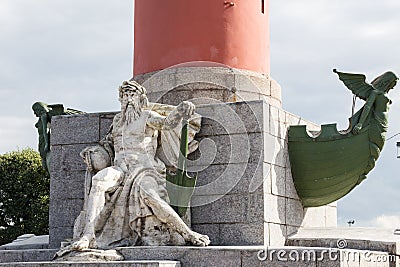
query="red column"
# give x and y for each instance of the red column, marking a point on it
(169, 32)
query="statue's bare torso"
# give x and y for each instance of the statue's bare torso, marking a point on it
(135, 143)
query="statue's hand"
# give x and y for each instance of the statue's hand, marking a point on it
(186, 108)
(357, 128)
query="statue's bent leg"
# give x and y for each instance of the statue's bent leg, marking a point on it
(102, 181)
(163, 211)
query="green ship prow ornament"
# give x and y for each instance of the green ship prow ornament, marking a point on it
(327, 165)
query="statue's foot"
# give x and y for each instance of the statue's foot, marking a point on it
(198, 239)
(83, 243)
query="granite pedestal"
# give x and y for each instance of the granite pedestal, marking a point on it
(245, 193)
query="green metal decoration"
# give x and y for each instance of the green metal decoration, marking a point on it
(45, 112)
(180, 186)
(327, 165)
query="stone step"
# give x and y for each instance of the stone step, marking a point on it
(138, 263)
(27, 255)
(221, 256)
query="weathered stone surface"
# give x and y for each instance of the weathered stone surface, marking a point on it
(68, 185)
(274, 209)
(179, 94)
(59, 234)
(330, 216)
(105, 123)
(278, 180)
(27, 241)
(11, 256)
(276, 91)
(277, 234)
(234, 118)
(240, 85)
(241, 234)
(291, 230)
(188, 256)
(271, 101)
(148, 263)
(212, 230)
(26, 255)
(240, 96)
(235, 148)
(56, 161)
(274, 150)
(80, 129)
(250, 259)
(294, 212)
(314, 217)
(290, 189)
(67, 211)
(67, 158)
(236, 208)
(247, 256)
(230, 178)
(376, 239)
(155, 97)
(266, 182)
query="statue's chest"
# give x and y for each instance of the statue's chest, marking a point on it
(382, 104)
(134, 134)
(136, 127)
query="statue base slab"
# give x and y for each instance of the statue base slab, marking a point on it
(245, 256)
(91, 255)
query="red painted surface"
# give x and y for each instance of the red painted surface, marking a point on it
(169, 32)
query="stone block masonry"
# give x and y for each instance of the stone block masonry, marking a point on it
(209, 84)
(245, 193)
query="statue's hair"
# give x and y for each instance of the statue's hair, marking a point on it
(40, 107)
(134, 86)
(384, 81)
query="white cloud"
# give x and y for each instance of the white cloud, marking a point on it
(17, 133)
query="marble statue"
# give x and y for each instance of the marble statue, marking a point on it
(127, 202)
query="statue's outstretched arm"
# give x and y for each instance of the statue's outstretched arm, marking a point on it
(183, 110)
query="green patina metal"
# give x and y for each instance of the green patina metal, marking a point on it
(45, 112)
(180, 186)
(327, 165)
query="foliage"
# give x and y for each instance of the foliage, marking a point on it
(24, 195)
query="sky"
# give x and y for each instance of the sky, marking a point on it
(78, 52)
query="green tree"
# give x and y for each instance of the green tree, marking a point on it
(24, 195)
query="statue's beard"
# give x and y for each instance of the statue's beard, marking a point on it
(131, 112)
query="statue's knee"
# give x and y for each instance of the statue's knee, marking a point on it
(106, 175)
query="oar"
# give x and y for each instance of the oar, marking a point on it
(181, 186)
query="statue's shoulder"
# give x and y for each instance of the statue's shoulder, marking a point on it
(116, 120)
(117, 117)
(147, 113)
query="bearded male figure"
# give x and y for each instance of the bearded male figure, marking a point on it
(127, 202)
